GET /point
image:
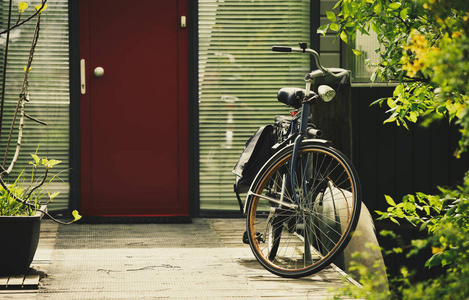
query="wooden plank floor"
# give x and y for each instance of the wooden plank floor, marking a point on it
(198, 260)
(316, 286)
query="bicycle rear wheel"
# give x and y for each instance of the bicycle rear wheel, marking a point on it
(295, 239)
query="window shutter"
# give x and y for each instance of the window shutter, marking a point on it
(239, 77)
(49, 91)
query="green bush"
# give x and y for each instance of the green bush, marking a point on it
(424, 46)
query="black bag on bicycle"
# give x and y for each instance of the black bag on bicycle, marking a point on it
(254, 156)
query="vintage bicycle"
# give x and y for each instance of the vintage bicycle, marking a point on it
(304, 202)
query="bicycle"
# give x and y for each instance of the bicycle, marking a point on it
(304, 203)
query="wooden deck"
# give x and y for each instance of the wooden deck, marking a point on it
(202, 260)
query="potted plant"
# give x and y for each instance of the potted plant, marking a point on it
(23, 201)
(20, 222)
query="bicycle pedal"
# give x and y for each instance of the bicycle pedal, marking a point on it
(245, 238)
(258, 237)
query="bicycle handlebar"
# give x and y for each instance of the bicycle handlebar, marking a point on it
(340, 72)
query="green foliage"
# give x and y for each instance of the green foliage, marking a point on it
(373, 284)
(424, 46)
(33, 190)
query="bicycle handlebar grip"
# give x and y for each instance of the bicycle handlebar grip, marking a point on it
(281, 49)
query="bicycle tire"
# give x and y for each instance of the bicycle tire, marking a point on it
(306, 237)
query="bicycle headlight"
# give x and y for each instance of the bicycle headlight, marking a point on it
(326, 93)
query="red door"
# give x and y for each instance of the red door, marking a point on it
(134, 113)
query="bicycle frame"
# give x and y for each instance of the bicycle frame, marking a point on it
(305, 109)
(308, 101)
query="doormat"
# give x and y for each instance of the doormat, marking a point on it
(136, 220)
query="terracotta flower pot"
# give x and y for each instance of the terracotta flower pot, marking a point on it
(19, 237)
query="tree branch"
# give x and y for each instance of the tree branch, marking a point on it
(26, 20)
(20, 106)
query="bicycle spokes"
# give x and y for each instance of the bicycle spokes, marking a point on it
(300, 237)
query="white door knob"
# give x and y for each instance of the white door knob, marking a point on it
(98, 72)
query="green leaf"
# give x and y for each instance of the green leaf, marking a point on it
(54, 162)
(375, 27)
(334, 27)
(331, 16)
(51, 197)
(356, 52)
(379, 101)
(409, 207)
(76, 216)
(435, 260)
(403, 13)
(413, 117)
(427, 210)
(398, 90)
(50, 163)
(391, 118)
(423, 226)
(378, 8)
(36, 158)
(343, 37)
(337, 4)
(394, 5)
(389, 200)
(323, 29)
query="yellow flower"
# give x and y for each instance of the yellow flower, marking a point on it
(37, 7)
(410, 68)
(22, 6)
(29, 70)
(456, 34)
(419, 40)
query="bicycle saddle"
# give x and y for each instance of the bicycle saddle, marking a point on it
(292, 96)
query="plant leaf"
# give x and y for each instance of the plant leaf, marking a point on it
(334, 27)
(389, 200)
(331, 16)
(76, 216)
(38, 7)
(356, 52)
(343, 37)
(51, 197)
(403, 13)
(394, 5)
(36, 159)
(435, 260)
(323, 29)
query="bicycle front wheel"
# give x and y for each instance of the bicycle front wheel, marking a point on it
(298, 230)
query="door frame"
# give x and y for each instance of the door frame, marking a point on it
(78, 130)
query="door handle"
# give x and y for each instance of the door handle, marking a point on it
(82, 77)
(183, 22)
(98, 72)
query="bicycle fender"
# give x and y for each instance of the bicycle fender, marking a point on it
(280, 152)
(317, 141)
